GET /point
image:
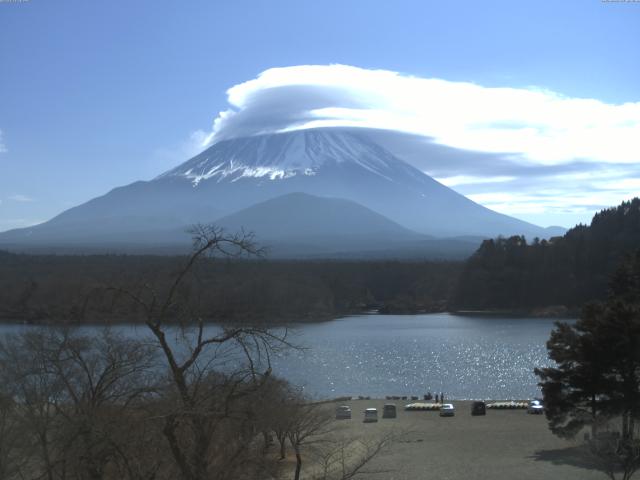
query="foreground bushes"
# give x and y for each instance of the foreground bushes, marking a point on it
(74, 406)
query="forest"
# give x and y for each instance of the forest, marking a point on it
(504, 274)
(82, 289)
(512, 274)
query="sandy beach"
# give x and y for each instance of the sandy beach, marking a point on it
(502, 445)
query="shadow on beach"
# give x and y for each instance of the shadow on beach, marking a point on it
(577, 456)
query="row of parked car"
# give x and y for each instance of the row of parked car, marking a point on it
(388, 411)
(446, 410)
(534, 406)
(370, 414)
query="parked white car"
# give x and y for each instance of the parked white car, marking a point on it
(535, 407)
(371, 415)
(447, 410)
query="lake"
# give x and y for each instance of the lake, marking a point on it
(466, 357)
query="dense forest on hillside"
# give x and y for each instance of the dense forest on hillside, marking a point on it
(51, 288)
(505, 274)
(511, 274)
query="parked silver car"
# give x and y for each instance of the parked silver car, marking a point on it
(447, 410)
(343, 412)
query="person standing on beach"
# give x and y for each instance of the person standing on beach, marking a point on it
(441, 397)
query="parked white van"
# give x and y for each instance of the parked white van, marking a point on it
(371, 415)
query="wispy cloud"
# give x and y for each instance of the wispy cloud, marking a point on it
(11, 223)
(458, 180)
(21, 198)
(169, 156)
(3, 147)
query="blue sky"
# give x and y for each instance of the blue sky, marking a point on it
(94, 95)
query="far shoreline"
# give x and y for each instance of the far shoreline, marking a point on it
(552, 312)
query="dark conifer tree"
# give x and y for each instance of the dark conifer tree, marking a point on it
(596, 380)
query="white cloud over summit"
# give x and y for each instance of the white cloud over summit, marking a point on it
(541, 126)
(518, 134)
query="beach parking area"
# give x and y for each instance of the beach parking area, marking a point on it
(501, 445)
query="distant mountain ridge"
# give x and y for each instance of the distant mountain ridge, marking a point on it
(302, 225)
(236, 174)
(299, 215)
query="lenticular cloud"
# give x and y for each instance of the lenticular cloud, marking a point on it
(533, 125)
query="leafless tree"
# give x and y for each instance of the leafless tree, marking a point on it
(183, 402)
(277, 402)
(24, 371)
(11, 437)
(76, 395)
(617, 455)
(308, 425)
(330, 453)
(345, 457)
(212, 372)
(103, 378)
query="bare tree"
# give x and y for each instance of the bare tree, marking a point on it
(616, 454)
(308, 425)
(211, 371)
(102, 377)
(275, 409)
(345, 458)
(11, 437)
(184, 403)
(24, 371)
(75, 394)
(332, 454)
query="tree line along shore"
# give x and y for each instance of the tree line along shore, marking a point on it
(505, 275)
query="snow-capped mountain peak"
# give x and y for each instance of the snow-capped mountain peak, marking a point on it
(285, 155)
(235, 175)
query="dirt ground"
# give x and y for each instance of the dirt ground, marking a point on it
(503, 445)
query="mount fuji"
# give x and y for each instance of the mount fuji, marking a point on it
(390, 198)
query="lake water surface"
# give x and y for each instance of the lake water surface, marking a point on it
(466, 357)
(377, 355)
